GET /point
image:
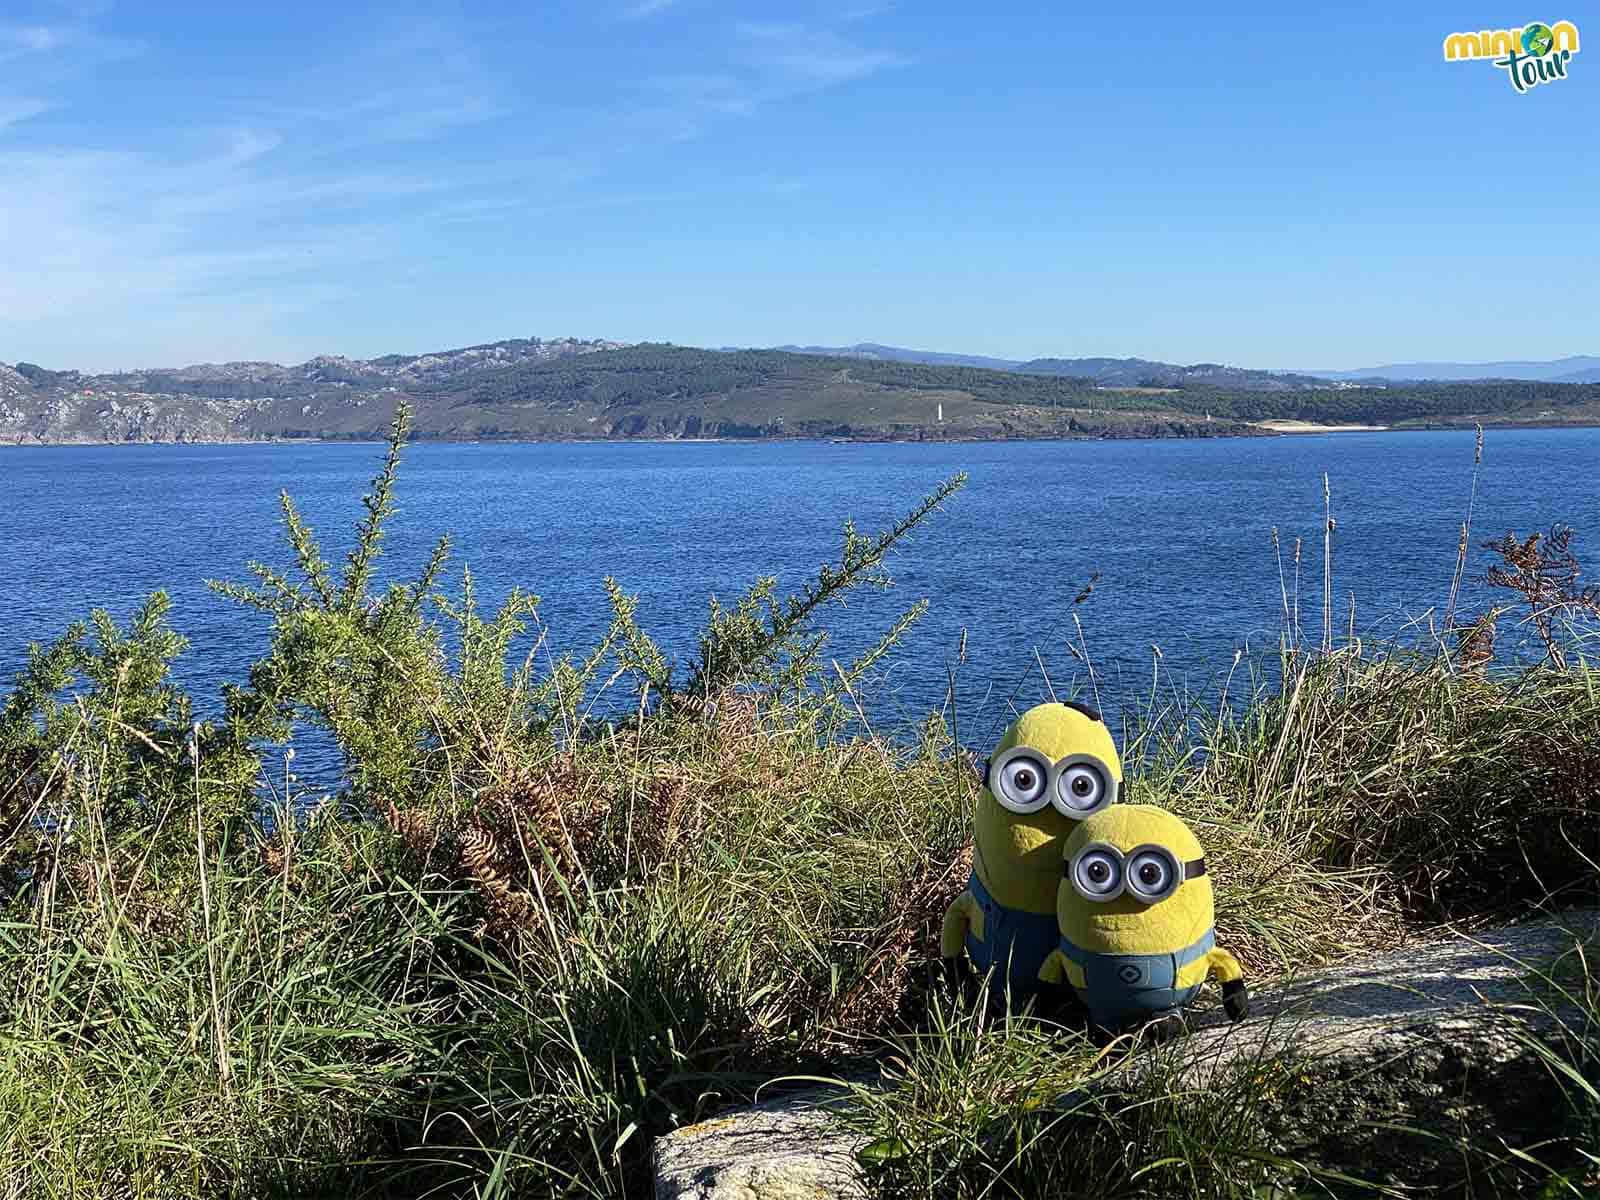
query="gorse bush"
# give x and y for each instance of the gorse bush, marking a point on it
(95, 715)
(371, 669)
(527, 939)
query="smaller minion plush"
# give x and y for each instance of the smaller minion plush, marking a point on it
(1054, 766)
(1135, 911)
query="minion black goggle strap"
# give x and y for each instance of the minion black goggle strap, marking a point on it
(1149, 873)
(1023, 781)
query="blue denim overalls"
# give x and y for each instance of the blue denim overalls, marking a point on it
(1014, 941)
(1126, 989)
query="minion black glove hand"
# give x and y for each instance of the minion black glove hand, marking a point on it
(1236, 1000)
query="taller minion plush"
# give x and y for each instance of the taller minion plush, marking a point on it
(1135, 911)
(1055, 766)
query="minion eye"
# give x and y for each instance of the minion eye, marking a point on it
(1022, 784)
(1097, 875)
(1081, 790)
(1152, 874)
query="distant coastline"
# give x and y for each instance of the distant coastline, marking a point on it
(532, 440)
(1268, 429)
(525, 390)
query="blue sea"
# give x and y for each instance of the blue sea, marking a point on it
(1179, 533)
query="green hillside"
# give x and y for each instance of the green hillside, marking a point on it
(532, 390)
(757, 386)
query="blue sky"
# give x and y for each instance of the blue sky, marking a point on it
(1278, 186)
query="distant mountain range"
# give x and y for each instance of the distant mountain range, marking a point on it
(1577, 369)
(879, 353)
(572, 388)
(1106, 372)
(1138, 372)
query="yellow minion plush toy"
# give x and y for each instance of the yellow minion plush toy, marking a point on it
(1054, 767)
(1135, 912)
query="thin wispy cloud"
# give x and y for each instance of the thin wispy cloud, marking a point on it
(95, 230)
(246, 145)
(29, 39)
(74, 244)
(811, 56)
(758, 64)
(21, 41)
(529, 207)
(418, 82)
(646, 8)
(862, 12)
(16, 111)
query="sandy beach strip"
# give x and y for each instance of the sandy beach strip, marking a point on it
(1310, 427)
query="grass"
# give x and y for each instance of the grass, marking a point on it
(1016, 1108)
(527, 941)
(1566, 996)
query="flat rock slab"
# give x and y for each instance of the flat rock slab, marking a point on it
(1435, 993)
(1439, 991)
(790, 1149)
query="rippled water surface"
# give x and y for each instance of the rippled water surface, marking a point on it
(1179, 531)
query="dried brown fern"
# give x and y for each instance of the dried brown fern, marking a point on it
(274, 857)
(417, 831)
(669, 815)
(530, 837)
(1543, 569)
(482, 861)
(549, 817)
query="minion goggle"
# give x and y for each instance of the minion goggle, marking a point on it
(1150, 873)
(1024, 781)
